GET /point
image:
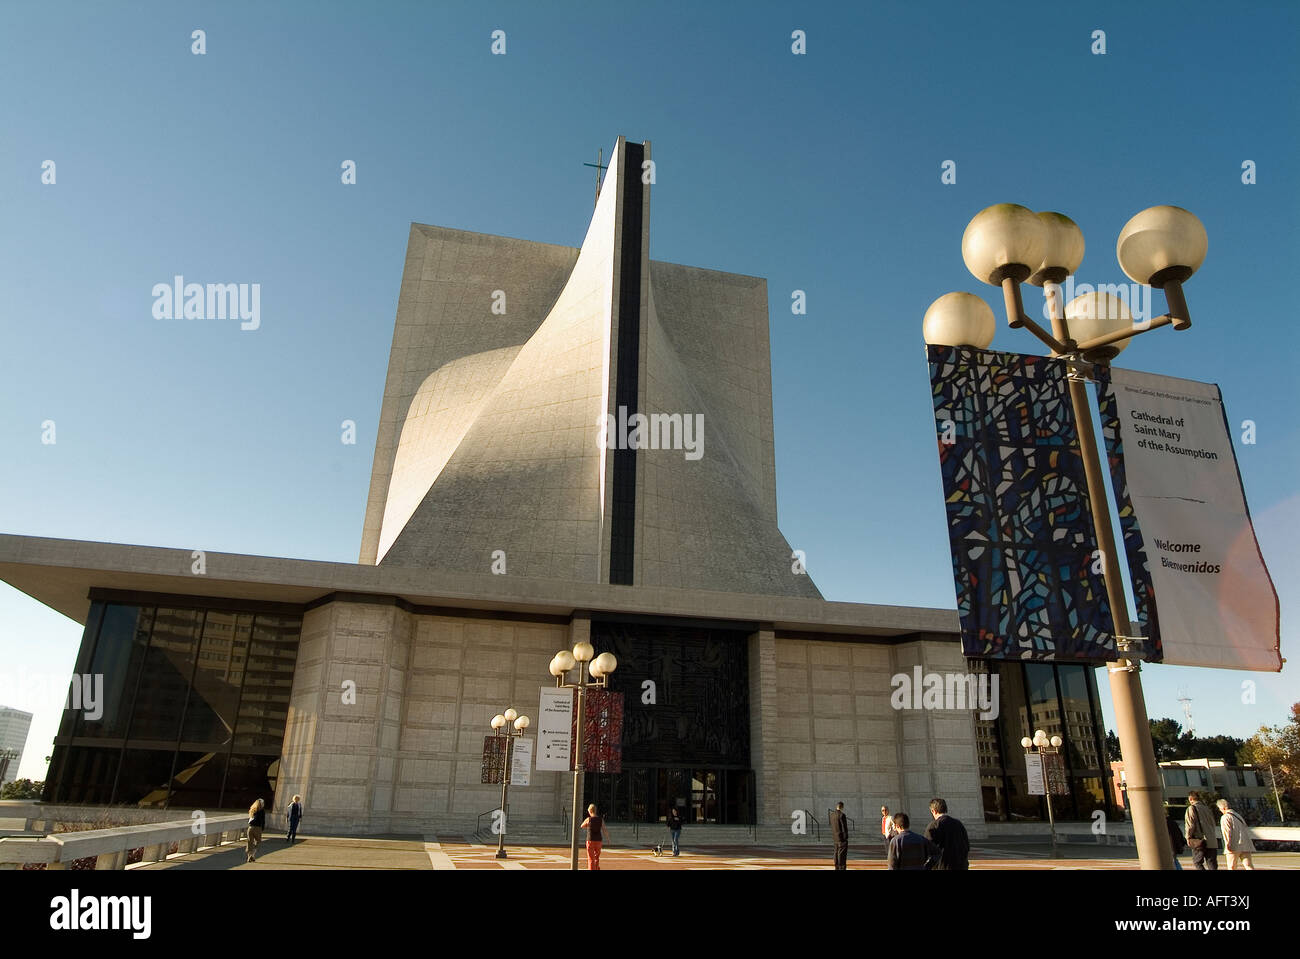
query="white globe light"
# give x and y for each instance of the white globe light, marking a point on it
(521, 723)
(1003, 239)
(564, 660)
(1026, 742)
(606, 663)
(959, 319)
(1056, 742)
(498, 721)
(511, 715)
(583, 652)
(1040, 738)
(1096, 314)
(1062, 249)
(1165, 242)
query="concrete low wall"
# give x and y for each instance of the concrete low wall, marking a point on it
(110, 847)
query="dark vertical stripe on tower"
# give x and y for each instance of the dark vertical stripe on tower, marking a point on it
(623, 518)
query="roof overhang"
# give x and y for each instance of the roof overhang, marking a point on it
(61, 573)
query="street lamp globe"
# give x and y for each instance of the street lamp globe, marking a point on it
(583, 652)
(565, 661)
(511, 715)
(959, 319)
(1090, 315)
(603, 665)
(1062, 249)
(1162, 243)
(498, 721)
(1005, 239)
(1026, 742)
(1040, 738)
(1056, 742)
(521, 723)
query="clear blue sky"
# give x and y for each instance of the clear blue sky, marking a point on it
(819, 172)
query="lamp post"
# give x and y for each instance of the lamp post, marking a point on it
(510, 725)
(600, 668)
(1005, 245)
(1044, 746)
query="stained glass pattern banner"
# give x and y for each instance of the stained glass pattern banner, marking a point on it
(1029, 585)
(494, 757)
(602, 738)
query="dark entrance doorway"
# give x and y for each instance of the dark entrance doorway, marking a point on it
(685, 723)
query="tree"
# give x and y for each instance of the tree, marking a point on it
(1277, 749)
(21, 789)
(1165, 734)
(1112, 747)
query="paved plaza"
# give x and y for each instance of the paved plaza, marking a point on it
(459, 853)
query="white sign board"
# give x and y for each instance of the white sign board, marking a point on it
(554, 729)
(521, 761)
(1215, 603)
(1034, 767)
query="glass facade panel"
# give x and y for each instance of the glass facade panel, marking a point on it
(264, 707)
(1021, 805)
(165, 677)
(214, 699)
(1081, 747)
(119, 650)
(198, 779)
(1045, 711)
(82, 775)
(250, 777)
(993, 790)
(1013, 721)
(202, 695)
(144, 777)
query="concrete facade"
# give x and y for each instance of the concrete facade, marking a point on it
(403, 755)
(506, 359)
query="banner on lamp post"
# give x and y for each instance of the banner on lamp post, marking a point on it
(1204, 596)
(554, 728)
(1024, 553)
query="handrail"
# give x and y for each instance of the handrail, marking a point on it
(111, 846)
(478, 823)
(816, 825)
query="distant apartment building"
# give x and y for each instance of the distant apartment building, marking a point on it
(14, 724)
(1246, 788)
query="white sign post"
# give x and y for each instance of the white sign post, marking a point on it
(555, 729)
(1034, 767)
(521, 761)
(1214, 600)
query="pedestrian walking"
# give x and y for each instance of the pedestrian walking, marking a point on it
(949, 837)
(675, 829)
(887, 828)
(840, 835)
(596, 836)
(1176, 841)
(1237, 843)
(1199, 825)
(908, 850)
(256, 823)
(295, 817)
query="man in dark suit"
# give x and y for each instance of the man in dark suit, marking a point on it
(907, 850)
(949, 837)
(840, 834)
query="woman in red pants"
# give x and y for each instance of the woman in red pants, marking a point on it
(595, 826)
